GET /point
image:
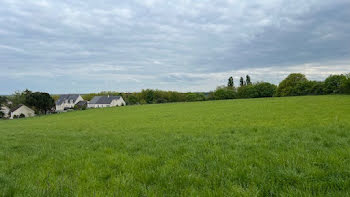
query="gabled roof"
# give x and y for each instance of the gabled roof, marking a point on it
(68, 97)
(17, 107)
(82, 103)
(103, 99)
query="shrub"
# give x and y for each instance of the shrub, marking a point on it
(176, 97)
(22, 116)
(223, 93)
(80, 107)
(190, 97)
(142, 102)
(256, 90)
(161, 100)
(247, 91)
(265, 89)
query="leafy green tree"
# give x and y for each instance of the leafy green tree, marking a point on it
(2, 114)
(56, 97)
(241, 82)
(176, 97)
(265, 89)
(160, 96)
(316, 88)
(40, 101)
(294, 85)
(148, 95)
(248, 82)
(3, 100)
(345, 86)
(132, 99)
(333, 84)
(19, 97)
(230, 82)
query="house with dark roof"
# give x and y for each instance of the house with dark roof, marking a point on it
(21, 111)
(106, 101)
(67, 101)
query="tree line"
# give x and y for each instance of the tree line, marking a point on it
(295, 84)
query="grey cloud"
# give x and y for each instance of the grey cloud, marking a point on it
(167, 44)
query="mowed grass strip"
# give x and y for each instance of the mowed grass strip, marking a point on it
(295, 146)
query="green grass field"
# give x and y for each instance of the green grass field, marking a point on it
(296, 146)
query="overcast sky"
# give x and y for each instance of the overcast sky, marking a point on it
(86, 46)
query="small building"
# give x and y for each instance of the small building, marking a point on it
(106, 101)
(21, 111)
(81, 105)
(5, 110)
(67, 101)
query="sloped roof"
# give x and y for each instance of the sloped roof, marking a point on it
(17, 107)
(68, 97)
(82, 103)
(103, 99)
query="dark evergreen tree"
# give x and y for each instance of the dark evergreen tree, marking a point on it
(230, 82)
(241, 82)
(40, 101)
(248, 82)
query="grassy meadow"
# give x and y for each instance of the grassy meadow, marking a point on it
(291, 146)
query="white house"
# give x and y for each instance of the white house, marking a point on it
(106, 101)
(21, 110)
(4, 109)
(67, 101)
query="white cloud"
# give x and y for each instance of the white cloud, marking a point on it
(11, 48)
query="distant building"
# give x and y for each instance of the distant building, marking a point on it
(5, 110)
(67, 101)
(106, 101)
(21, 110)
(81, 104)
